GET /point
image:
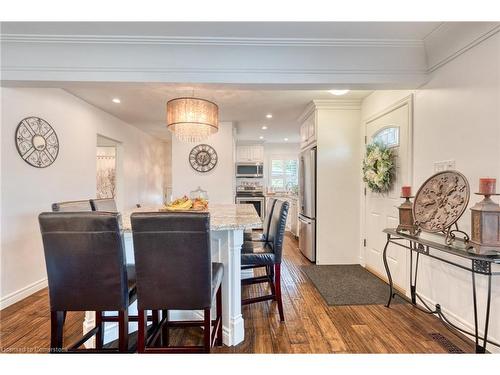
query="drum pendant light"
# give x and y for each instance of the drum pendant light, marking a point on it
(192, 119)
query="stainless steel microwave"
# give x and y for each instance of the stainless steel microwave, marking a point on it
(255, 170)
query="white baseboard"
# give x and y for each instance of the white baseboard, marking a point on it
(22, 293)
(462, 323)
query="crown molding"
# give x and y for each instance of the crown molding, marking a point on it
(329, 104)
(337, 103)
(165, 40)
(93, 69)
(474, 34)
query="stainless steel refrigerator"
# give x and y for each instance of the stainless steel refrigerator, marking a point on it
(307, 203)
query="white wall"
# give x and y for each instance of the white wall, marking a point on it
(219, 182)
(456, 116)
(338, 186)
(280, 150)
(26, 191)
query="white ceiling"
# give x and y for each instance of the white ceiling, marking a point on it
(143, 105)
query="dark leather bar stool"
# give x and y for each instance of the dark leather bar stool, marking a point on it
(267, 254)
(72, 206)
(104, 204)
(262, 237)
(86, 271)
(175, 272)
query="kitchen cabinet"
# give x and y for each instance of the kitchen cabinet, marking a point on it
(293, 217)
(308, 130)
(250, 153)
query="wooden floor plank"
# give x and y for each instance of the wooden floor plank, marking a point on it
(311, 325)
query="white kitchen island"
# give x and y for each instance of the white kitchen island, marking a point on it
(227, 223)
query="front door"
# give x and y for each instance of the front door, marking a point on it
(393, 129)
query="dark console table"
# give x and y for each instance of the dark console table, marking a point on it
(433, 245)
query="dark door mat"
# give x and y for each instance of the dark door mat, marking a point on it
(349, 285)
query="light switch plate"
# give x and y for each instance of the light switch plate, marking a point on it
(445, 165)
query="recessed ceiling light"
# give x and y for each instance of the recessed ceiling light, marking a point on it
(116, 100)
(338, 92)
(286, 139)
(269, 115)
(261, 137)
(264, 127)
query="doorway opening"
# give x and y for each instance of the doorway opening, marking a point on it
(107, 168)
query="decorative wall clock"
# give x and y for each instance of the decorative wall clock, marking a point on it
(440, 202)
(37, 142)
(203, 158)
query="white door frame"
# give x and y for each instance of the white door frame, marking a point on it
(407, 100)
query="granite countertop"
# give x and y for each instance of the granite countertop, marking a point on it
(281, 195)
(222, 216)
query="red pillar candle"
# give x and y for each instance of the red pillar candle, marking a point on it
(406, 191)
(487, 186)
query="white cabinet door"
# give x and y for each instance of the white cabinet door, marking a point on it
(303, 133)
(257, 153)
(311, 124)
(292, 213)
(250, 153)
(243, 154)
(308, 130)
(288, 226)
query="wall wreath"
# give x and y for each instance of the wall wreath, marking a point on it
(378, 167)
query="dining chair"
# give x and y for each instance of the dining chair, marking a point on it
(267, 254)
(86, 271)
(175, 272)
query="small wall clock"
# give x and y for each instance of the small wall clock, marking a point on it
(203, 158)
(37, 142)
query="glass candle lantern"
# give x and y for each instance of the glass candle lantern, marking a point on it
(406, 221)
(485, 225)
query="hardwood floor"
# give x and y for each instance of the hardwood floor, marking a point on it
(310, 327)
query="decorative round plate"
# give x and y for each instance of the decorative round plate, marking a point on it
(440, 201)
(203, 158)
(37, 142)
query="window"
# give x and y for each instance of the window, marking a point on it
(389, 136)
(284, 174)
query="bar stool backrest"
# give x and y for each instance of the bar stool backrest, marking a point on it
(267, 219)
(72, 206)
(104, 204)
(277, 228)
(85, 261)
(172, 260)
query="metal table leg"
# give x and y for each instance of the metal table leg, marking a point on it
(481, 348)
(386, 265)
(413, 280)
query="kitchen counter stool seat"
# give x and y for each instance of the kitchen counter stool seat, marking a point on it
(257, 254)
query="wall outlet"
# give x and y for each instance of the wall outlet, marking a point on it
(445, 165)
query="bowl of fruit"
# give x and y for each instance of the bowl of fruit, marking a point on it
(187, 204)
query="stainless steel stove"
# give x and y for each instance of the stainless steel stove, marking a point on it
(252, 195)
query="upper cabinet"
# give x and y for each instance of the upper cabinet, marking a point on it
(250, 153)
(308, 129)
